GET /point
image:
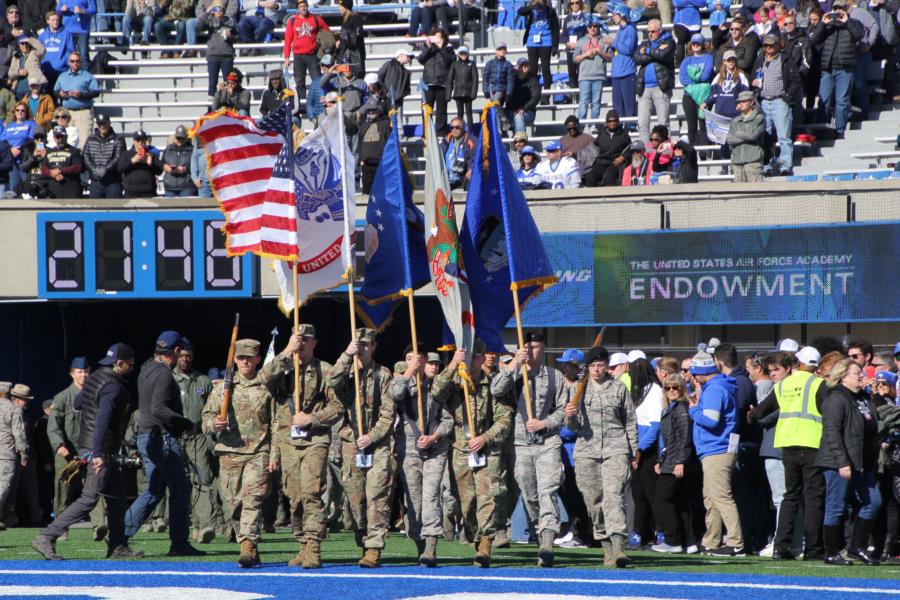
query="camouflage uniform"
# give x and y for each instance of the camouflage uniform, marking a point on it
(607, 440)
(537, 467)
(337, 505)
(421, 472)
(206, 511)
(243, 447)
(304, 461)
(13, 443)
(480, 490)
(368, 490)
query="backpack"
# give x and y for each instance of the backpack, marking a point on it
(325, 40)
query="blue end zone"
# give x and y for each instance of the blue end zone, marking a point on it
(119, 580)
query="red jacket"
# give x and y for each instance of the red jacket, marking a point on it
(627, 173)
(300, 34)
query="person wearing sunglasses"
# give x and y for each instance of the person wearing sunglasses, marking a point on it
(732, 36)
(458, 150)
(797, 47)
(613, 143)
(76, 90)
(655, 78)
(574, 28)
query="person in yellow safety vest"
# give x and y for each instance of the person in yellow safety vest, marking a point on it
(618, 368)
(799, 398)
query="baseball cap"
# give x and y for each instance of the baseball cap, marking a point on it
(140, 134)
(636, 354)
(403, 52)
(118, 351)
(327, 60)
(896, 348)
(698, 38)
(500, 45)
(528, 150)
(462, 50)
(521, 61)
(618, 358)
(534, 336)
(809, 356)
(571, 355)
(637, 146)
(703, 363)
(59, 130)
(729, 54)
(886, 377)
(371, 79)
(521, 135)
(787, 345)
(181, 132)
(102, 119)
(166, 342)
(552, 146)
(770, 40)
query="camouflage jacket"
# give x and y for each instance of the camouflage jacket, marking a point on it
(316, 399)
(492, 418)
(605, 423)
(438, 419)
(12, 431)
(64, 424)
(548, 395)
(378, 407)
(195, 389)
(250, 413)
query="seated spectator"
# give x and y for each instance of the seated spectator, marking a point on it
(463, 84)
(559, 172)
(659, 150)
(276, 93)
(395, 77)
(26, 62)
(175, 18)
(373, 135)
(778, 84)
(696, 74)
(40, 103)
(199, 175)
(684, 162)
(521, 105)
(58, 45)
(350, 45)
(458, 149)
(76, 90)
(638, 167)
(591, 54)
(34, 14)
(62, 166)
(101, 160)
(12, 25)
(520, 140)
(575, 139)
(655, 78)
(7, 101)
(139, 168)
(745, 137)
(230, 94)
(498, 76)
(34, 184)
(258, 20)
(63, 118)
(421, 19)
(17, 132)
(209, 15)
(139, 11)
(220, 55)
(76, 17)
(7, 164)
(464, 10)
(176, 161)
(613, 144)
(527, 174)
(351, 126)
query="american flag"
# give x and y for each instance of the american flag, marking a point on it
(250, 170)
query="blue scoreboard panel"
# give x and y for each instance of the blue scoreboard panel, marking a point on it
(175, 254)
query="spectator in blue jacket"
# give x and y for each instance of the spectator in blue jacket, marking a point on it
(198, 171)
(715, 416)
(17, 132)
(696, 74)
(624, 68)
(58, 45)
(574, 28)
(541, 39)
(498, 76)
(686, 23)
(76, 19)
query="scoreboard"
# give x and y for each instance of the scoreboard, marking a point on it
(133, 254)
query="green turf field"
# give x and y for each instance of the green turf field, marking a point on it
(15, 544)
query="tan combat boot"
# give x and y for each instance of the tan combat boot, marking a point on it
(301, 556)
(618, 544)
(249, 556)
(371, 559)
(609, 560)
(312, 555)
(545, 551)
(483, 554)
(428, 557)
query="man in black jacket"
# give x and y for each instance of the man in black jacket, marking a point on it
(373, 135)
(139, 168)
(798, 47)
(394, 77)
(655, 77)
(176, 159)
(101, 158)
(778, 83)
(161, 422)
(105, 406)
(62, 165)
(612, 149)
(521, 105)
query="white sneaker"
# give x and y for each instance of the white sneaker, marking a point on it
(664, 547)
(561, 540)
(572, 544)
(692, 549)
(768, 550)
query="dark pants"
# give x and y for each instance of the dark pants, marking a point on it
(802, 478)
(572, 68)
(421, 19)
(752, 496)
(164, 467)
(542, 53)
(603, 173)
(643, 491)
(302, 64)
(186, 193)
(368, 176)
(99, 189)
(624, 96)
(674, 505)
(213, 68)
(579, 519)
(464, 107)
(682, 37)
(107, 483)
(696, 129)
(436, 97)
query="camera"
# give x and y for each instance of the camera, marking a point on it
(127, 462)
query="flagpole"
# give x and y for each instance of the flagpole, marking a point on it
(526, 387)
(464, 380)
(296, 330)
(415, 349)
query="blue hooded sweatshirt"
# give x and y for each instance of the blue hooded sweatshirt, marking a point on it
(77, 22)
(706, 63)
(687, 13)
(715, 416)
(58, 45)
(625, 44)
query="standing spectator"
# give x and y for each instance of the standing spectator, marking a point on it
(715, 416)
(541, 38)
(591, 55)
(726, 87)
(34, 14)
(647, 397)
(463, 81)
(25, 63)
(499, 76)
(656, 76)
(574, 27)
(522, 104)
(375, 93)
(199, 175)
(143, 11)
(40, 103)
(58, 45)
(745, 138)
(437, 56)
(76, 90)
(527, 175)
(7, 164)
(209, 15)
(12, 25)
(638, 169)
(696, 74)
(763, 23)
(258, 19)
(62, 165)
(63, 118)
(300, 41)
(230, 94)
(624, 68)
(276, 93)
(797, 47)
(139, 168)
(395, 77)
(101, 160)
(175, 19)
(33, 153)
(559, 172)
(76, 17)
(612, 144)
(813, 77)
(351, 43)
(458, 149)
(17, 132)
(778, 82)
(220, 55)
(176, 161)
(373, 135)
(864, 57)
(848, 456)
(744, 45)
(687, 24)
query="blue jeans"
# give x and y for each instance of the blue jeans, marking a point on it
(188, 193)
(864, 492)
(520, 121)
(82, 44)
(421, 19)
(163, 29)
(213, 68)
(127, 27)
(779, 118)
(191, 28)
(519, 529)
(205, 190)
(98, 189)
(861, 83)
(164, 467)
(624, 96)
(255, 29)
(15, 177)
(836, 86)
(589, 92)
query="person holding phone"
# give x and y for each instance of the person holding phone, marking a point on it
(139, 168)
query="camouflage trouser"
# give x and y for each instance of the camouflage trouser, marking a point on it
(7, 474)
(369, 491)
(480, 492)
(602, 483)
(244, 483)
(303, 481)
(206, 511)
(538, 471)
(421, 479)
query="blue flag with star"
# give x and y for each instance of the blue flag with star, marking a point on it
(501, 244)
(396, 259)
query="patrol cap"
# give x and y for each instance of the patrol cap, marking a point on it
(618, 358)
(167, 341)
(534, 336)
(400, 366)
(306, 329)
(636, 354)
(434, 357)
(364, 334)
(703, 364)
(809, 356)
(552, 146)
(886, 377)
(745, 96)
(80, 362)
(571, 355)
(246, 347)
(116, 352)
(5, 386)
(598, 353)
(478, 347)
(20, 390)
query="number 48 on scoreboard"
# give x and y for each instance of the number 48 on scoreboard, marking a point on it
(138, 255)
